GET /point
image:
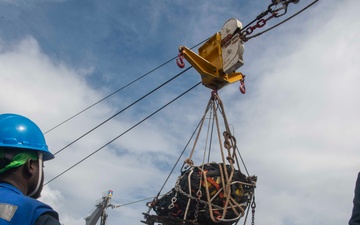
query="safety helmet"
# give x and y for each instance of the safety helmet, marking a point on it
(19, 132)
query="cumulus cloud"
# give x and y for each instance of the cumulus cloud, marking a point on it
(48, 92)
(296, 126)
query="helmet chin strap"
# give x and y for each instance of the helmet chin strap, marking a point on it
(40, 175)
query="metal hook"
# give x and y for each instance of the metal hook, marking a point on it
(214, 93)
(242, 87)
(280, 11)
(180, 61)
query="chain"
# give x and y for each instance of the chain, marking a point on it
(260, 23)
(174, 199)
(277, 9)
(198, 200)
(199, 194)
(178, 189)
(253, 206)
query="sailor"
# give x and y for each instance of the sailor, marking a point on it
(22, 152)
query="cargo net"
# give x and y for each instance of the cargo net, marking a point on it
(209, 194)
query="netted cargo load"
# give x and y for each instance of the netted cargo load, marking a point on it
(213, 193)
(208, 194)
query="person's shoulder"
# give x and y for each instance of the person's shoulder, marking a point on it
(38, 207)
(47, 219)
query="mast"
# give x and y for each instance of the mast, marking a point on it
(100, 210)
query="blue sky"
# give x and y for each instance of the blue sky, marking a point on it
(297, 125)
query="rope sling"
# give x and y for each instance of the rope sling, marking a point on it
(211, 193)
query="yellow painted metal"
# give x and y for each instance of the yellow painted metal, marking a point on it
(209, 64)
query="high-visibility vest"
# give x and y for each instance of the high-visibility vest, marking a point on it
(18, 209)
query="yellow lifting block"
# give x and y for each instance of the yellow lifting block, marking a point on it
(219, 57)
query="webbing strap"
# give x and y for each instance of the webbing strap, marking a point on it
(216, 185)
(213, 182)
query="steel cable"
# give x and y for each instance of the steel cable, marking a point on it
(105, 121)
(88, 156)
(116, 91)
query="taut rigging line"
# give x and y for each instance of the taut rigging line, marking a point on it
(158, 110)
(116, 91)
(109, 95)
(121, 111)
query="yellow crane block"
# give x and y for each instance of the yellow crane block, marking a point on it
(219, 57)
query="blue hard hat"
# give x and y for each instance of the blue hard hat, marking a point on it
(19, 132)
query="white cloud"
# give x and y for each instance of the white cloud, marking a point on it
(48, 91)
(296, 126)
(300, 126)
